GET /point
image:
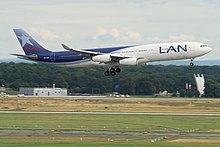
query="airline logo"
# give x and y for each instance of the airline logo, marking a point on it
(177, 48)
(24, 40)
(33, 49)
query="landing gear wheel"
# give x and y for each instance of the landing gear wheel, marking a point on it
(112, 70)
(191, 64)
(106, 73)
(118, 70)
(113, 73)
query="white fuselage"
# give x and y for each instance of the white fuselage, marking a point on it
(157, 52)
(167, 51)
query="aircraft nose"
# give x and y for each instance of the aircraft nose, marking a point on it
(208, 49)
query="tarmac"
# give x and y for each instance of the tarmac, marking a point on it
(108, 133)
(113, 113)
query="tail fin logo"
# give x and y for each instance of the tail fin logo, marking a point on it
(24, 40)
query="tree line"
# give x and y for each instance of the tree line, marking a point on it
(133, 80)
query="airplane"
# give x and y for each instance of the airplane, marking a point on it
(112, 57)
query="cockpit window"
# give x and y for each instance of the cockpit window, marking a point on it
(203, 45)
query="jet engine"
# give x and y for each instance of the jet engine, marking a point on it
(129, 61)
(102, 58)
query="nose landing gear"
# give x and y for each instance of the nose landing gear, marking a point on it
(112, 71)
(191, 63)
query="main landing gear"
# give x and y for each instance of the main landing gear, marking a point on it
(191, 63)
(112, 71)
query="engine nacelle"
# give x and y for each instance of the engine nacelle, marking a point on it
(102, 58)
(129, 61)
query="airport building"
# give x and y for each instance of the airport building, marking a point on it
(43, 91)
(2, 87)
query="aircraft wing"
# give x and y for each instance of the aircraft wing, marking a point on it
(82, 52)
(107, 58)
(90, 53)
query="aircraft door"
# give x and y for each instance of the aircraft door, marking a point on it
(154, 51)
(52, 57)
(191, 51)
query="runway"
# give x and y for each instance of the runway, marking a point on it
(113, 113)
(109, 133)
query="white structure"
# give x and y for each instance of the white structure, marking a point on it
(2, 87)
(43, 91)
(200, 83)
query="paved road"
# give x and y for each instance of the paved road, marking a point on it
(113, 113)
(107, 133)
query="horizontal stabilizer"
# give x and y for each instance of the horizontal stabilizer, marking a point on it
(28, 57)
(19, 55)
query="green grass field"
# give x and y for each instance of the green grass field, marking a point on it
(122, 123)
(108, 122)
(9, 143)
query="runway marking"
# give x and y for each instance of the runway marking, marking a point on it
(113, 113)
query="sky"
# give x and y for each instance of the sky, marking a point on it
(96, 23)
